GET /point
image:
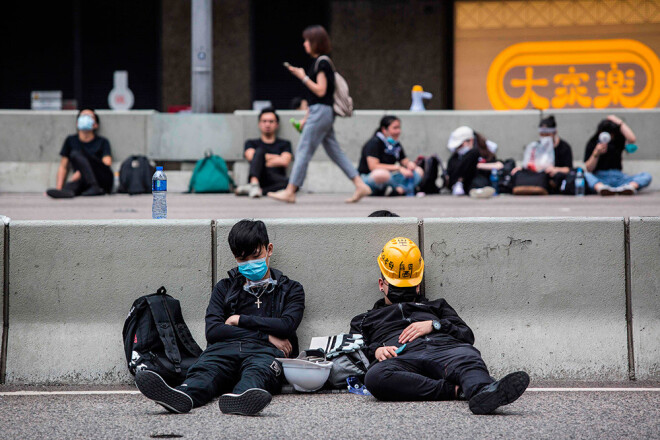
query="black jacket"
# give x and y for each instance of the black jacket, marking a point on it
(382, 325)
(288, 304)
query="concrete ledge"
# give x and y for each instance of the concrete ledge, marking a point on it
(645, 295)
(72, 284)
(543, 295)
(334, 260)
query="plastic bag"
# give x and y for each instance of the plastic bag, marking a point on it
(539, 155)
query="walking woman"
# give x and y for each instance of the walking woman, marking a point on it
(317, 128)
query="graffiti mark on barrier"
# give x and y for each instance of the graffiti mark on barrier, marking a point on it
(575, 74)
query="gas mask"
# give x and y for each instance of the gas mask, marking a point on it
(401, 294)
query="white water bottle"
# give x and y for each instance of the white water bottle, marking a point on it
(159, 191)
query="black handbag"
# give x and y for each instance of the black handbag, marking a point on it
(526, 182)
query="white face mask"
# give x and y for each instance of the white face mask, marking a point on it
(463, 149)
(547, 142)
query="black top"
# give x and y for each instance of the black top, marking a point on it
(563, 155)
(278, 147)
(328, 98)
(385, 153)
(279, 313)
(611, 160)
(99, 147)
(382, 325)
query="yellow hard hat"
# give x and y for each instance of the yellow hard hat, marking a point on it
(401, 262)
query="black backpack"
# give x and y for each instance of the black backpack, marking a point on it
(431, 166)
(135, 175)
(156, 338)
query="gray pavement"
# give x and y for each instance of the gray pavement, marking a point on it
(537, 414)
(33, 206)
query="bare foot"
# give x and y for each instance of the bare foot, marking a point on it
(360, 191)
(283, 196)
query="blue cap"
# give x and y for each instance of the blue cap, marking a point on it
(159, 168)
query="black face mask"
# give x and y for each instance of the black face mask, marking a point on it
(402, 294)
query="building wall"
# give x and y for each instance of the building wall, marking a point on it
(231, 54)
(484, 30)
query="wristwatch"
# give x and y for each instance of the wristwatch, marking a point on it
(436, 325)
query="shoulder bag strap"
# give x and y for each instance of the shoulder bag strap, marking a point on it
(164, 325)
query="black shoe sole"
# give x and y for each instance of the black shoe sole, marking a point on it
(249, 403)
(509, 388)
(60, 194)
(154, 387)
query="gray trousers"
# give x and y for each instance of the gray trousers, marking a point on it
(318, 129)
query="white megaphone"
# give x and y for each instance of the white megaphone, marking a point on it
(418, 97)
(604, 137)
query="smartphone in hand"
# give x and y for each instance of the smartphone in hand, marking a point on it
(286, 64)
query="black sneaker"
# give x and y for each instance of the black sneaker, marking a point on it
(60, 193)
(248, 403)
(502, 392)
(93, 191)
(154, 387)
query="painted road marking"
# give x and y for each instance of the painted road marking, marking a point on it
(100, 392)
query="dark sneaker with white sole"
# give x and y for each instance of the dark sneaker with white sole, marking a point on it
(249, 403)
(502, 392)
(154, 387)
(60, 193)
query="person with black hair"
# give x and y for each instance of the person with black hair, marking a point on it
(90, 157)
(298, 103)
(251, 319)
(317, 125)
(421, 349)
(269, 157)
(383, 164)
(544, 168)
(383, 213)
(603, 160)
(471, 162)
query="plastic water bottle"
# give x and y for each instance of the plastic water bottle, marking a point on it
(495, 181)
(410, 187)
(579, 183)
(159, 191)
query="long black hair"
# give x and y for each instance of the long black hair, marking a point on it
(385, 122)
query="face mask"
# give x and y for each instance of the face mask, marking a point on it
(85, 123)
(463, 149)
(253, 270)
(257, 288)
(401, 294)
(546, 142)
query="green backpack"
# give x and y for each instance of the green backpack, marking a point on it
(210, 176)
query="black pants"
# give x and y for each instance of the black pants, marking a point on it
(270, 179)
(429, 372)
(233, 367)
(467, 170)
(93, 172)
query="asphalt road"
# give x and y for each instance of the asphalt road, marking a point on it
(536, 415)
(34, 206)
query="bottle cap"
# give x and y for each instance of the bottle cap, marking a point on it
(159, 168)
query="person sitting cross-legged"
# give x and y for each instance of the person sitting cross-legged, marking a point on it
(251, 319)
(424, 349)
(269, 157)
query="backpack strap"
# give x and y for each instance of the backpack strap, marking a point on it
(220, 165)
(164, 325)
(182, 330)
(324, 57)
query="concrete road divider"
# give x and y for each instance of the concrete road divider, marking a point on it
(542, 295)
(334, 260)
(645, 295)
(72, 285)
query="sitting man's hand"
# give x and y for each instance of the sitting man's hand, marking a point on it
(551, 171)
(515, 170)
(383, 353)
(233, 320)
(406, 172)
(415, 330)
(281, 344)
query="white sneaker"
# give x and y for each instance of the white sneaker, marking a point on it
(482, 193)
(606, 190)
(626, 190)
(457, 189)
(255, 191)
(243, 190)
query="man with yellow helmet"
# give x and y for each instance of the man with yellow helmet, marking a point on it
(424, 349)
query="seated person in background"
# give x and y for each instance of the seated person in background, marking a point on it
(472, 160)
(559, 159)
(269, 157)
(243, 338)
(378, 164)
(89, 156)
(603, 157)
(298, 103)
(424, 349)
(383, 213)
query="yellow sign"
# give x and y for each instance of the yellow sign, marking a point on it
(575, 74)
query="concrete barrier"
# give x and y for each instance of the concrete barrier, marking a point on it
(542, 295)
(645, 295)
(72, 284)
(4, 225)
(334, 260)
